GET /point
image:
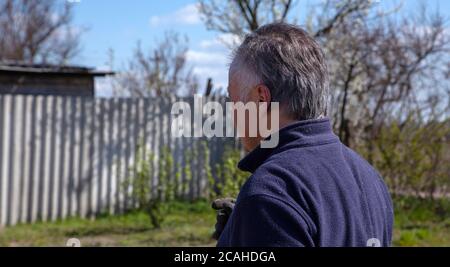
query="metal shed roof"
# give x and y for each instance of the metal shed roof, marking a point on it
(33, 68)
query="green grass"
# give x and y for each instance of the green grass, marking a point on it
(422, 222)
(417, 223)
(186, 224)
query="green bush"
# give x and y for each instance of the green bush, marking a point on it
(225, 182)
(140, 183)
(229, 178)
(412, 157)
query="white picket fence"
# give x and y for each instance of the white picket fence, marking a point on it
(69, 156)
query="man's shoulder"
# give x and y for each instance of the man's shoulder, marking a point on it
(307, 170)
(272, 179)
(294, 167)
(359, 165)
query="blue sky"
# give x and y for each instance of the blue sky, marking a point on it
(120, 24)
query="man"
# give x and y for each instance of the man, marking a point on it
(310, 190)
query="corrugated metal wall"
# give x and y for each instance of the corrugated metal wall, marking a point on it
(69, 156)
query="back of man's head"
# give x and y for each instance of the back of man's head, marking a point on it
(291, 64)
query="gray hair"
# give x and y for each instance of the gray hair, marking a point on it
(290, 63)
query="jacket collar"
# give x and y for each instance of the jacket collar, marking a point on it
(298, 134)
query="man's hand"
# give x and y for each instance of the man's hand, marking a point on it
(224, 206)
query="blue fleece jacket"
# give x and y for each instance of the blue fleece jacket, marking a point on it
(311, 190)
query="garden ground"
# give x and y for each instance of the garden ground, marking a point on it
(417, 223)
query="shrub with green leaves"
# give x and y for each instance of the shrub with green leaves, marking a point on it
(413, 158)
(229, 178)
(150, 170)
(141, 184)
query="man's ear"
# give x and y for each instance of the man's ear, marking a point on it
(264, 94)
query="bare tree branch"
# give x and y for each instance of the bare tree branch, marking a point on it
(160, 72)
(37, 31)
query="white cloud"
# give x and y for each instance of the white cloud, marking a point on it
(210, 43)
(187, 15)
(208, 64)
(209, 72)
(103, 87)
(207, 58)
(219, 75)
(223, 41)
(211, 59)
